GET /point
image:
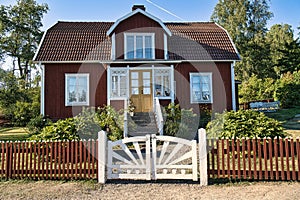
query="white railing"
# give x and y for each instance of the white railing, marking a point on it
(158, 116)
(125, 132)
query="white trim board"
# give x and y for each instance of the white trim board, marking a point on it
(112, 28)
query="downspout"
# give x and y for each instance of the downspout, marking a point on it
(42, 109)
(233, 86)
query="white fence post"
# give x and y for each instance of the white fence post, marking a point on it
(102, 154)
(202, 157)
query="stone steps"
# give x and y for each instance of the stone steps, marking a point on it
(142, 124)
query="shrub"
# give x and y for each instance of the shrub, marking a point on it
(23, 112)
(180, 122)
(60, 130)
(36, 124)
(86, 125)
(244, 123)
(287, 90)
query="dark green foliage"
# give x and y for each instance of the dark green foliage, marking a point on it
(36, 124)
(19, 104)
(180, 122)
(60, 130)
(20, 32)
(86, 125)
(256, 89)
(287, 90)
(244, 123)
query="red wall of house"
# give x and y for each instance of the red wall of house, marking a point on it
(221, 83)
(139, 23)
(55, 88)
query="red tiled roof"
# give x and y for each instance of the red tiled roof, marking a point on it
(87, 41)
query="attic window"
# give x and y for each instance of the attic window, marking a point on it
(139, 46)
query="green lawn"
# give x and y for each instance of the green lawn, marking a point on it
(13, 134)
(286, 117)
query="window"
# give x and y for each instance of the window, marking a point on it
(162, 83)
(118, 83)
(139, 46)
(77, 89)
(201, 87)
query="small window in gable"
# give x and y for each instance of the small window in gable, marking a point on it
(139, 46)
(201, 87)
(76, 89)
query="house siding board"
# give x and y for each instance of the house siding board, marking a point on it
(55, 88)
(221, 83)
(139, 24)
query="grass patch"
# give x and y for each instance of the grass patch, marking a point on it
(288, 120)
(283, 115)
(13, 134)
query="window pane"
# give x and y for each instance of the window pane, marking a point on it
(134, 90)
(139, 47)
(134, 83)
(134, 75)
(130, 47)
(201, 88)
(77, 89)
(146, 75)
(148, 47)
(147, 90)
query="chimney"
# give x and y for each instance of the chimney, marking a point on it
(142, 7)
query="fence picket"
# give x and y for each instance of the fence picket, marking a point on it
(238, 158)
(218, 158)
(233, 158)
(223, 158)
(281, 158)
(244, 158)
(298, 157)
(254, 158)
(293, 160)
(249, 158)
(228, 158)
(265, 158)
(276, 158)
(270, 143)
(287, 159)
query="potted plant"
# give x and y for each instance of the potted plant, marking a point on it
(131, 108)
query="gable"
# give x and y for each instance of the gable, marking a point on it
(137, 19)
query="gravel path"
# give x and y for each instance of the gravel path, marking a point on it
(92, 190)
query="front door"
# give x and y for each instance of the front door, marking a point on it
(141, 90)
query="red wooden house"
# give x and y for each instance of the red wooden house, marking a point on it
(140, 58)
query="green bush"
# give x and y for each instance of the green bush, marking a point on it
(86, 125)
(244, 123)
(36, 124)
(23, 112)
(287, 90)
(60, 130)
(180, 122)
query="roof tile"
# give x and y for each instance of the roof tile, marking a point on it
(87, 41)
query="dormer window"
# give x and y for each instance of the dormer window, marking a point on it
(139, 46)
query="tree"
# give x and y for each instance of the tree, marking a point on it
(20, 32)
(246, 21)
(281, 42)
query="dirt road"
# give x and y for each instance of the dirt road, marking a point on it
(92, 190)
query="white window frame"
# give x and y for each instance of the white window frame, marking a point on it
(158, 74)
(134, 48)
(192, 74)
(77, 75)
(119, 72)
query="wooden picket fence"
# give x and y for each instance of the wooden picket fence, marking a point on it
(49, 160)
(256, 159)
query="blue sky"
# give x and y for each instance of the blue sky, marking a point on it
(285, 11)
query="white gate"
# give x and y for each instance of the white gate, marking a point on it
(147, 157)
(174, 158)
